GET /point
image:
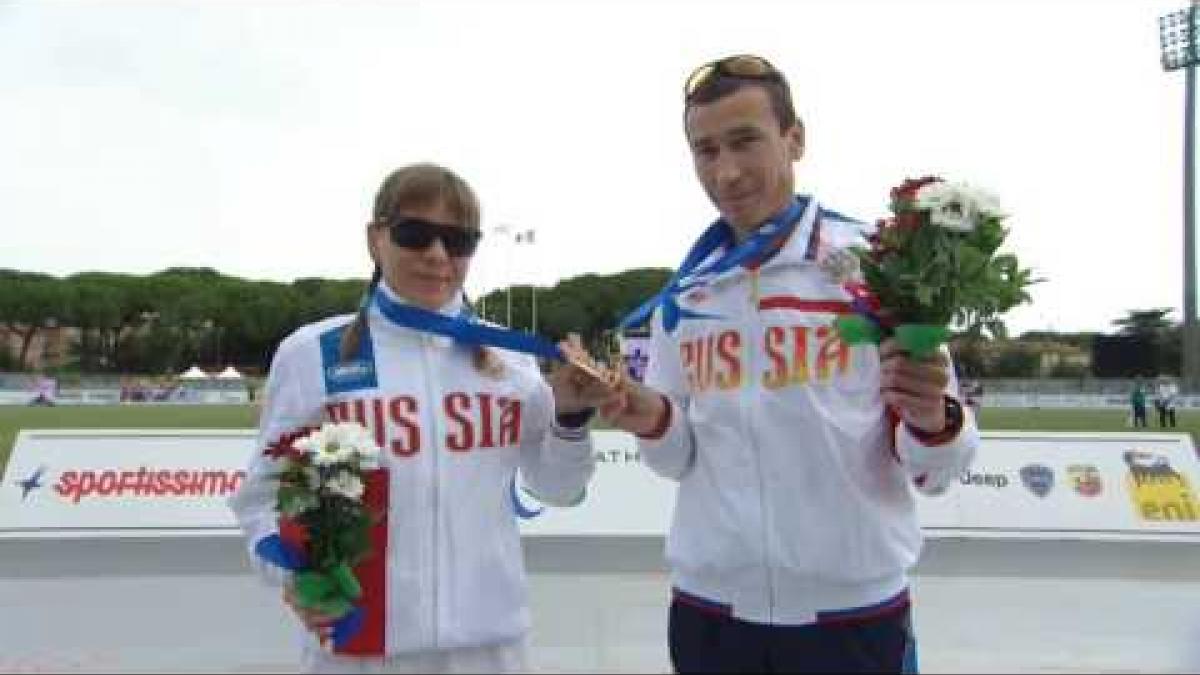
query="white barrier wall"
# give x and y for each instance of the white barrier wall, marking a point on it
(1036, 400)
(1060, 485)
(112, 396)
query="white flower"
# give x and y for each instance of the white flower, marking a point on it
(346, 484)
(315, 444)
(841, 265)
(949, 206)
(341, 442)
(325, 447)
(359, 442)
(957, 206)
(987, 204)
(953, 215)
(933, 195)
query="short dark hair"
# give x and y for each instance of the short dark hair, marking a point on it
(720, 85)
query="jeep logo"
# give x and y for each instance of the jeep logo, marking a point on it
(992, 480)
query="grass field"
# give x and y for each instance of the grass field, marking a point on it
(15, 418)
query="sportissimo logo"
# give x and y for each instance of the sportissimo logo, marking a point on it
(74, 486)
(33, 482)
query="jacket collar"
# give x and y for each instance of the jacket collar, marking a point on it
(452, 308)
(800, 246)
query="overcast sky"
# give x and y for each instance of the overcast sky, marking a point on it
(251, 136)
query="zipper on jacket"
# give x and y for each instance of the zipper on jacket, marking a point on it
(434, 450)
(755, 446)
(387, 460)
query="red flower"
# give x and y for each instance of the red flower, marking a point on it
(909, 220)
(293, 533)
(285, 445)
(907, 191)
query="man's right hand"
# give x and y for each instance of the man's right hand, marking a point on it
(321, 625)
(637, 409)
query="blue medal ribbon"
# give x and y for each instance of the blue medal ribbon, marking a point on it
(691, 275)
(465, 328)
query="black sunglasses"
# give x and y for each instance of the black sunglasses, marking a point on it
(418, 234)
(743, 66)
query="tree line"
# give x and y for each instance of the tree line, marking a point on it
(163, 322)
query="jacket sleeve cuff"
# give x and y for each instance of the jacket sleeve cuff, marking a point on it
(934, 468)
(662, 425)
(574, 420)
(669, 449)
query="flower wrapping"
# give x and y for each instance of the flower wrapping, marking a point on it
(933, 264)
(332, 501)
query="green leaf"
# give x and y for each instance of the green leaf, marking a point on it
(921, 340)
(294, 501)
(314, 587)
(346, 582)
(334, 606)
(924, 295)
(854, 329)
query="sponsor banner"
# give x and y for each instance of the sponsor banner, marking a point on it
(89, 396)
(122, 481)
(624, 497)
(636, 352)
(1065, 483)
(1035, 400)
(112, 396)
(11, 397)
(119, 482)
(134, 482)
(217, 396)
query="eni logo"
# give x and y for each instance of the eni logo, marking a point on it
(1160, 493)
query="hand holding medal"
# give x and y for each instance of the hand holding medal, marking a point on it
(583, 382)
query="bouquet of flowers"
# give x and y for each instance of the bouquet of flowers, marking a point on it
(932, 264)
(325, 522)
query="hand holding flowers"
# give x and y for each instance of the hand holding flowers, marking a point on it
(934, 263)
(325, 522)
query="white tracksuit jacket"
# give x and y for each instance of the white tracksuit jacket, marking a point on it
(795, 501)
(452, 438)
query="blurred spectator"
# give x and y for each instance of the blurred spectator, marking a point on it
(1137, 399)
(46, 391)
(972, 393)
(1166, 398)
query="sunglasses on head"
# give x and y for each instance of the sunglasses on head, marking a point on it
(743, 66)
(418, 234)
